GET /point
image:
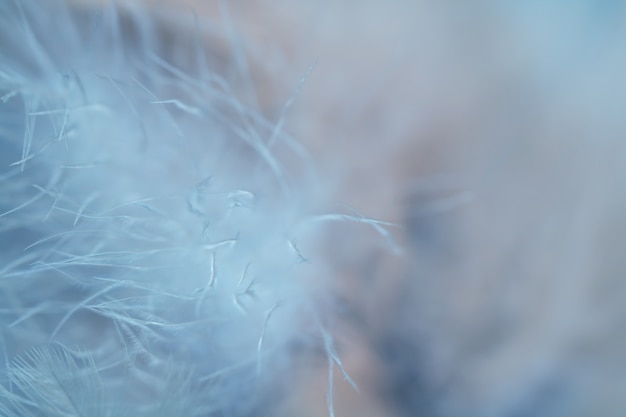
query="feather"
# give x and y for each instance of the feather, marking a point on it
(137, 192)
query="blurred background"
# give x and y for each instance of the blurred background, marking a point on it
(493, 134)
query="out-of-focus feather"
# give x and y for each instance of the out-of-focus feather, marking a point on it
(51, 380)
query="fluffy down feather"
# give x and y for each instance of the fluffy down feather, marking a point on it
(157, 230)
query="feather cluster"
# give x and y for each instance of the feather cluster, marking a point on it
(150, 230)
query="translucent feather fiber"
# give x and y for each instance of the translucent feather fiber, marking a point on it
(151, 234)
